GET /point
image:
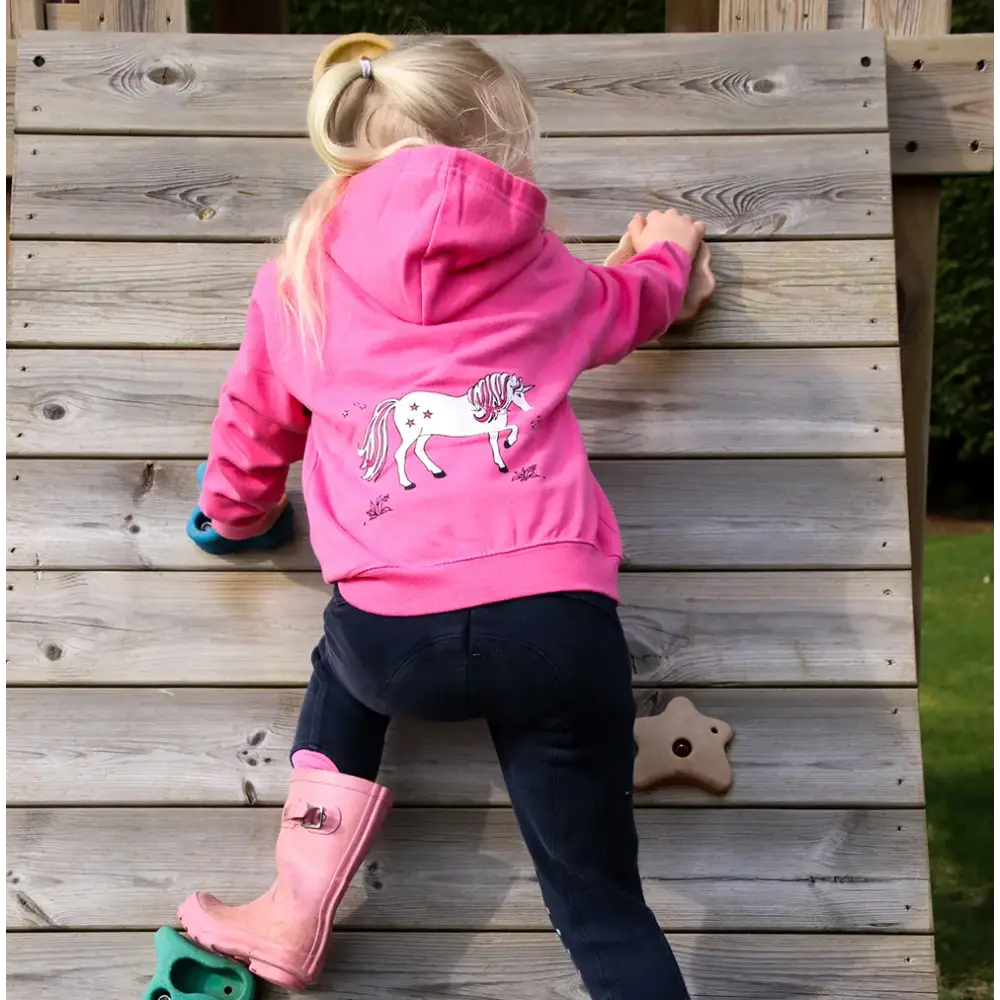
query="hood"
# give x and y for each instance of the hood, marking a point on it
(405, 227)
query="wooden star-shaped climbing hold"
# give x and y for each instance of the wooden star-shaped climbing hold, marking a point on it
(680, 746)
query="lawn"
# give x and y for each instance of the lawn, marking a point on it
(956, 699)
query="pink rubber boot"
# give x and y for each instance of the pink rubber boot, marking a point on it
(327, 826)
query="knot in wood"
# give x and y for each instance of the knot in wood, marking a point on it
(165, 76)
(763, 86)
(53, 411)
(52, 651)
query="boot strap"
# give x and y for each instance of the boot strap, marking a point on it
(318, 819)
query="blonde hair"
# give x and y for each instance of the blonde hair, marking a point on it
(437, 91)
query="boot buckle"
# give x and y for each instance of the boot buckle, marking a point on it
(313, 818)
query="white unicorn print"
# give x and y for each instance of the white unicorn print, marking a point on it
(420, 415)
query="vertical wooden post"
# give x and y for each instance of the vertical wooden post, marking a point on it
(916, 205)
(736, 16)
(24, 16)
(692, 15)
(133, 15)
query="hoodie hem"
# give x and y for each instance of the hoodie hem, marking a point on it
(399, 591)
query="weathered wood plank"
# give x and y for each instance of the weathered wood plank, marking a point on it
(195, 295)
(917, 211)
(582, 84)
(513, 966)
(746, 187)
(680, 514)
(703, 869)
(25, 16)
(259, 628)
(62, 16)
(916, 205)
(908, 17)
(219, 746)
(772, 15)
(133, 15)
(843, 15)
(941, 113)
(11, 90)
(837, 401)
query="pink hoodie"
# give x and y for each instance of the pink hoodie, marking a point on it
(443, 466)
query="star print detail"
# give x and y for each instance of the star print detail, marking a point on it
(345, 413)
(428, 414)
(414, 407)
(409, 423)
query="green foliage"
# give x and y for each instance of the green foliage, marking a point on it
(962, 396)
(541, 17)
(962, 393)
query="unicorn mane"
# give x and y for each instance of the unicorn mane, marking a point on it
(490, 396)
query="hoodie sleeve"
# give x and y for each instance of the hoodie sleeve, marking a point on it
(634, 303)
(258, 432)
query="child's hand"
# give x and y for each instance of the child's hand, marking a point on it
(279, 529)
(701, 285)
(666, 227)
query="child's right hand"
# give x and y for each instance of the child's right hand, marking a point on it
(667, 227)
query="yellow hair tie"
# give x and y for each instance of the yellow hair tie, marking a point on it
(349, 48)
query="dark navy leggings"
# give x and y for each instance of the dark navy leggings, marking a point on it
(552, 678)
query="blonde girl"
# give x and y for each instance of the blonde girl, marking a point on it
(414, 346)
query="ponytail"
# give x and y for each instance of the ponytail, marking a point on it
(446, 91)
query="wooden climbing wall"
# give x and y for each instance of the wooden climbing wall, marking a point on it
(755, 463)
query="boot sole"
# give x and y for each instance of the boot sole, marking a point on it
(191, 915)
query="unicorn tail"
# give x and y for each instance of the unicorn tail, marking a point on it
(375, 445)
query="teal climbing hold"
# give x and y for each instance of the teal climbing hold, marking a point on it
(186, 972)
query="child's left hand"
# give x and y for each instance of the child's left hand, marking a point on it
(701, 284)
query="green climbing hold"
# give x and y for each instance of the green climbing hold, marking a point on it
(183, 970)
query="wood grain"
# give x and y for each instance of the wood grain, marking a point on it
(908, 17)
(582, 84)
(133, 15)
(62, 16)
(11, 90)
(772, 15)
(839, 401)
(844, 15)
(259, 628)
(25, 16)
(941, 114)
(916, 209)
(680, 514)
(512, 966)
(746, 187)
(703, 869)
(219, 746)
(195, 295)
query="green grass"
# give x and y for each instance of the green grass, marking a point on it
(956, 699)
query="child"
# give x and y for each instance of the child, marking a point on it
(414, 347)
